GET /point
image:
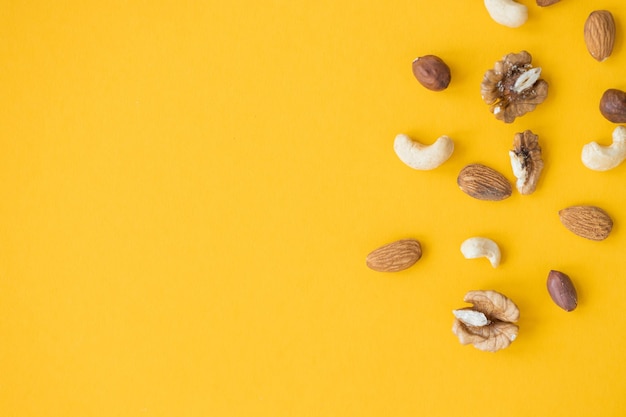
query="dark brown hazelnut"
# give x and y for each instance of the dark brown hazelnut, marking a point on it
(562, 291)
(432, 72)
(613, 105)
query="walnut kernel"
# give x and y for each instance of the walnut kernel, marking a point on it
(526, 161)
(513, 88)
(489, 323)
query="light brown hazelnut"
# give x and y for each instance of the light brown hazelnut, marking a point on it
(613, 105)
(432, 72)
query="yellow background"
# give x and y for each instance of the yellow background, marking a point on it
(188, 191)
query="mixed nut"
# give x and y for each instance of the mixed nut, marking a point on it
(423, 157)
(613, 105)
(512, 88)
(526, 161)
(395, 256)
(432, 72)
(562, 290)
(484, 183)
(489, 324)
(589, 222)
(507, 12)
(481, 247)
(603, 158)
(600, 34)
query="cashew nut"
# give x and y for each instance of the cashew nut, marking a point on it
(478, 247)
(603, 158)
(507, 12)
(423, 157)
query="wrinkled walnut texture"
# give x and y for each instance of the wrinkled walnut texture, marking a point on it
(500, 329)
(526, 161)
(497, 88)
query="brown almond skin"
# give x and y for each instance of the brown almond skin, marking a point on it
(545, 3)
(613, 105)
(432, 72)
(562, 290)
(600, 34)
(589, 222)
(395, 256)
(484, 183)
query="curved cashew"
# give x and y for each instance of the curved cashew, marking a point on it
(478, 247)
(423, 157)
(603, 158)
(507, 12)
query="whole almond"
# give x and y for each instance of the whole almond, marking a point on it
(562, 290)
(613, 105)
(484, 183)
(589, 222)
(600, 34)
(395, 256)
(432, 72)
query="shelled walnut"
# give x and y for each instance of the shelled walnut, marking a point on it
(513, 88)
(489, 323)
(526, 161)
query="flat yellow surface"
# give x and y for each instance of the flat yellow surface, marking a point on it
(188, 191)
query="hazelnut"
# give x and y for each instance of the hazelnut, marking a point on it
(432, 72)
(613, 105)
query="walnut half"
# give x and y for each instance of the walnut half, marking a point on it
(488, 324)
(526, 161)
(513, 88)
